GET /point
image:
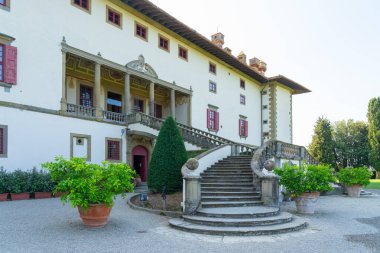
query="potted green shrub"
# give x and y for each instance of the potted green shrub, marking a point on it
(19, 185)
(137, 180)
(305, 184)
(354, 179)
(90, 187)
(4, 184)
(41, 184)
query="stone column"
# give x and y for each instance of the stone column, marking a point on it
(127, 94)
(63, 98)
(172, 103)
(270, 193)
(192, 189)
(151, 99)
(98, 106)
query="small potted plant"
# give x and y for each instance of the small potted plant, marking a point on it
(354, 179)
(305, 183)
(4, 184)
(137, 180)
(19, 185)
(91, 188)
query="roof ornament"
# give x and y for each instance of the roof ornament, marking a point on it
(140, 66)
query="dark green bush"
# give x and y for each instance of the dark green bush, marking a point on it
(4, 181)
(85, 183)
(19, 181)
(307, 178)
(40, 181)
(169, 155)
(351, 176)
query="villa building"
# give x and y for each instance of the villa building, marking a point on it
(94, 78)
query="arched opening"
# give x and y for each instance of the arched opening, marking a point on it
(140, 161)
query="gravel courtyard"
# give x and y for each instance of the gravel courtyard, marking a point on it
(341, 224)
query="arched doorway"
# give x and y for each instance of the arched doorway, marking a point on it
(140, 161)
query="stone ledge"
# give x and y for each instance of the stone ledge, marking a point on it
(171, 214)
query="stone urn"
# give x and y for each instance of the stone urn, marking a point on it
(354, 190)
(306, 202)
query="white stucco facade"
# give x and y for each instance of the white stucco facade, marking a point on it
(35, 137)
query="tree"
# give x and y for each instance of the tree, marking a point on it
(351, 143)
(169, 155)
(322, 144)
(374, 134)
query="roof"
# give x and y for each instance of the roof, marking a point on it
(158, 15)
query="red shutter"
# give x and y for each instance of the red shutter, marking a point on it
(208, 118)
(240, 133)
(1, 140)
(10, 61)
(216, 121)
(246, 128)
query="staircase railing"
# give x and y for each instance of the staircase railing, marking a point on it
(268, 182)
(193, 135)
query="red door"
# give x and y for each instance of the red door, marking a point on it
(140, 161)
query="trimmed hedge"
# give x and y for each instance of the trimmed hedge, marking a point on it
(351, 176)
(169, 155)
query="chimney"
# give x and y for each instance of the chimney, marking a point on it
(218, 39)
(258, 65)
(228, 50)
(242, 57)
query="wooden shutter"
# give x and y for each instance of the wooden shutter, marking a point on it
(246, 128)
(240, 128)
(216, 121)
(10, 64)
(208, 118)
(1, 141)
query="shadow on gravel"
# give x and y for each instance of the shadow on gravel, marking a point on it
(371, 241)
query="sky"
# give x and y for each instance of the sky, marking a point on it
(330, 46)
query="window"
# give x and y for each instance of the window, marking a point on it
(86, 96)
(113, 17)
(141, 31)
(265, 107)
(212, 120)
(163, 43)
(265, 121)
(242, 99)
(242, 84)
(83, 4)
(182, 53)
(158, 111)
(212, 68)
(113, 149)
(3, 2)
(8, 64)
(212, 87)
(114, 102)
(243, 128)
(3, 140)
(138, 105)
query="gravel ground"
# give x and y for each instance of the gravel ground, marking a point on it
(341, 224)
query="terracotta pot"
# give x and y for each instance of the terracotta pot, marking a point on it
(96, 215)
(42, 195)
(20, 196)
(306, 202)
(3, 196)
(353, 191)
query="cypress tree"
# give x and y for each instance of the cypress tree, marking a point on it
(169, 155)
(322, 144)
(374, 134)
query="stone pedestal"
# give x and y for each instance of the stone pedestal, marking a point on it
(192, 194)
(270, 191)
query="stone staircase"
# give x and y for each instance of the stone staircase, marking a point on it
(231, 204)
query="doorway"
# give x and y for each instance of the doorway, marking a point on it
(140, 161)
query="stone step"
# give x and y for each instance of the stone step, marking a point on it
(226, 173)
(248, 193)
(239, 212)
(221, 184)
(232, 164)
(230, 203)
(237, 198)
(239, 222)
(226, 180)
(227, 189)
(236, 176)
(295, 225)
(238, 170)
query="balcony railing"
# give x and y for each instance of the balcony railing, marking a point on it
(80, 110)
(115, 117)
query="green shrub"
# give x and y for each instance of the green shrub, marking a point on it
(307, 178)
(351, 176)
(169, 155)
(4, 181)
(85, 183)
(40, 181)
(19, 181)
